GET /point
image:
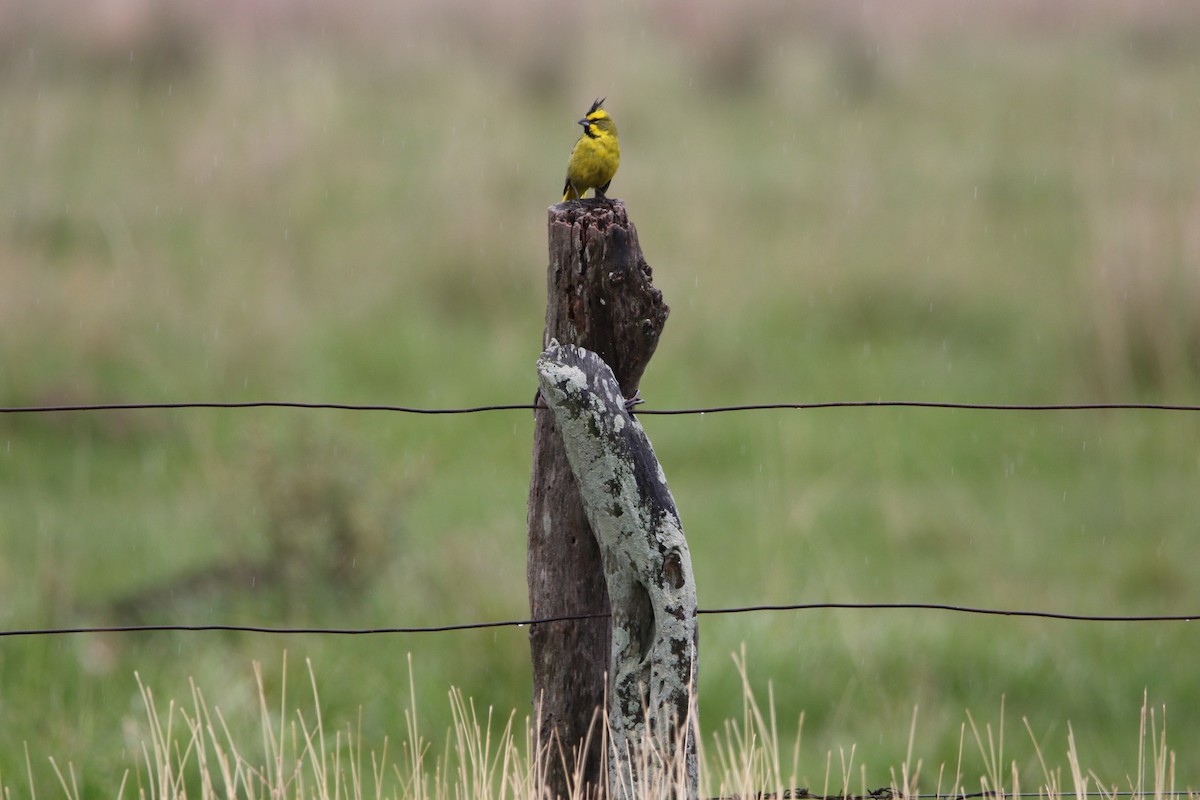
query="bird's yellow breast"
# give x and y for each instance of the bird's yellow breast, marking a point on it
(594, 161)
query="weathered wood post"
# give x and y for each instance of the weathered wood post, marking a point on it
(648, 571)
(599, 296)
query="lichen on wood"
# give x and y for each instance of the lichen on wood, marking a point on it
(647, 570)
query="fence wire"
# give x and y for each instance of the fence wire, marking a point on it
(888, 793)
(811, 406)
(523, 623)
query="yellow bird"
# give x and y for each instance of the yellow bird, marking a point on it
(596, 155)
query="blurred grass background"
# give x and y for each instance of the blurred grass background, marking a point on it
(346, 202)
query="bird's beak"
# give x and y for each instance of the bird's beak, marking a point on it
(583, 122)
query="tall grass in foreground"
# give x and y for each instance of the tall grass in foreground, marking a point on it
(190, 750)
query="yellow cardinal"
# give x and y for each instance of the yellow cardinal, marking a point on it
(596, 155)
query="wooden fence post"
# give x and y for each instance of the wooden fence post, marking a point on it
(648, 571)
(599, 296)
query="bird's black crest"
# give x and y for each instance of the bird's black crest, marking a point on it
(596, 105)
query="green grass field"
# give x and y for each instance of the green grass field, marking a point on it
(348, 205)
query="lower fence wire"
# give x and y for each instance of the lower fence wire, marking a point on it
(888, 793)
(522, 623)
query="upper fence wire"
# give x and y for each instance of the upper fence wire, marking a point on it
(810, 406)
